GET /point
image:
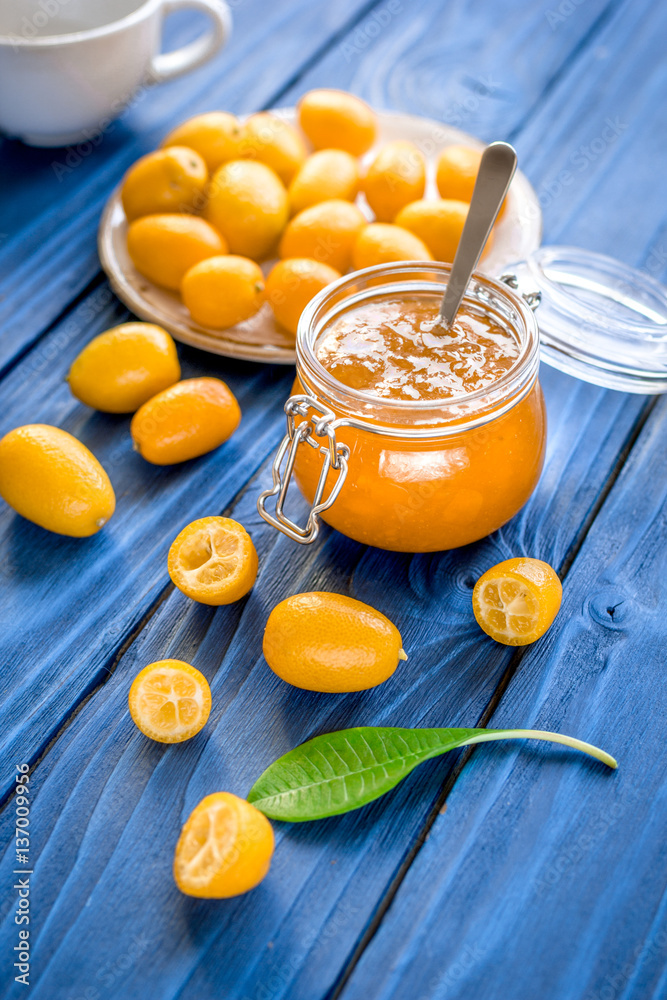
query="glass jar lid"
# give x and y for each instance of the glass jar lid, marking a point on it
(599, 319)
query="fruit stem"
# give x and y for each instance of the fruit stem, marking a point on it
(402, 655)
(539, 734)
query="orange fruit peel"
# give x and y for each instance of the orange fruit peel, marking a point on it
(516, 601)
(292, 283)
(328, 642)
(52, 479)
(213, 561)
(185, 421)
(170, 701)
(338, 120)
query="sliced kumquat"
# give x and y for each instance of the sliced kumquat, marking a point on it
(516, 601)
(170, 701)
(213, 561)
(225, 848)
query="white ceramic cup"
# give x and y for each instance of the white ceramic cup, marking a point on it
(69, 67)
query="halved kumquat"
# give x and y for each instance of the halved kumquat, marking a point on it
(213, 561)
(170, 701)
(516, 601)
(225, 848)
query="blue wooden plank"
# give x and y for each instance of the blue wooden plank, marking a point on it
(546, 876)
(105, 843)
(602, 119)
(108, 804)
(53, 257)
(101, 620)
(72, 603)
(48, 250)
(123, 799)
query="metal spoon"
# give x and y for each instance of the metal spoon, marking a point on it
(495, 173)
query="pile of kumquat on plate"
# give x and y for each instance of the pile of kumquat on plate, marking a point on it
(222, 195)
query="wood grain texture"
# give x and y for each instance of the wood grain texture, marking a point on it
(578, 93)
(124, 798)
(48, 227)
(546, 875)
(109, 922)
(117, 614)
(109, 804)
(72, 603)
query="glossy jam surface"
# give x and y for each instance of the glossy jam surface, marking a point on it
(397, 349)
(423, 495)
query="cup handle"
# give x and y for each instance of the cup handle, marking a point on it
(168, 65)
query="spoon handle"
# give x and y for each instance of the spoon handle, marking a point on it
(495, 173)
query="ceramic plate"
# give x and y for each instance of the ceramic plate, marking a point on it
(260, 339)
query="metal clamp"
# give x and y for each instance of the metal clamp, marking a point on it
(532, 299)
(318, 422)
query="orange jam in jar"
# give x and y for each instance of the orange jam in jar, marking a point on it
(402, 434)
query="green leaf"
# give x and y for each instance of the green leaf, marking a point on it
(340, 771)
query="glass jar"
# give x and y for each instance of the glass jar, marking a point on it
(403, 475)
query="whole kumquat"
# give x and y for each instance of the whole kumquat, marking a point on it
(439, 224)
(123, 367)
(274, 142)
(325, 232)
(52, 479)
(292, 284)
(396, 177)
(336, 119)
(216, 136)
(168, 180)
(382, 242)
(220, 292)
(184, 421)
(329, 642)
(247, 203)
(327, 174)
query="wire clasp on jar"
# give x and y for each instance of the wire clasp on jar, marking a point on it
(532, 299)
(318, 423)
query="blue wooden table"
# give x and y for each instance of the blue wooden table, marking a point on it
(513, 871)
